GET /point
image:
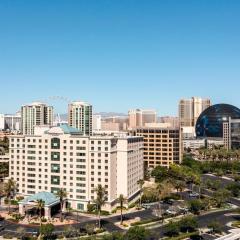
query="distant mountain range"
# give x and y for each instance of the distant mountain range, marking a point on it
(111, 114)
(64, 116)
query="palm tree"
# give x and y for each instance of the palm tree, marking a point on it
(40, 206)
(100, 201)
(140, 182)
(214, 155)
(61, 194)
(121, 201)
(164, 190)
(9, 190)
(179, 186)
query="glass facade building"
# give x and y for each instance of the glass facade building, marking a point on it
(235, 135)
(210, 122)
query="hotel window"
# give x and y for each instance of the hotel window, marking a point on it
(55, 143)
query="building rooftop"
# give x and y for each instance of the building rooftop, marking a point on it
(64, 129)
(47, 197)
(80, 103)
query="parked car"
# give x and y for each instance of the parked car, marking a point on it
(146, 206)
(1, 227)
(171, 212)
(183, 210)
(193, 194)
(168, 201)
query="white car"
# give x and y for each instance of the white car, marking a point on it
(171, 212)
(194, 194)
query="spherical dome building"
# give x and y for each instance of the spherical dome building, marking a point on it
(210, 122)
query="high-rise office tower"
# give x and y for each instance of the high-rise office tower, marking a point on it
(190, 109)
(35, 114)
(139, 117)
(80, 117)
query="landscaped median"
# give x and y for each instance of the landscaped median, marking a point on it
(183, 236)
(145, 222)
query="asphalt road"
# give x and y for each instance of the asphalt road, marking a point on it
(108, 222)
(222, 217)
(224, 183)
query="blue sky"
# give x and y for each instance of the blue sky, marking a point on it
(119, 55)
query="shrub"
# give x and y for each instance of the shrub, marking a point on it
(136, 233)
(132, 205)
(145, 222)
(99, 231)
(14, 202)
(7, 236)
(44, 220)
(104, 213)
(46, 230)
(91, 207)
(172, 229)
(19, 198)
(216, 227)
(195, 206)
(90, 228)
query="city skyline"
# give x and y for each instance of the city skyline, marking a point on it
(119, 56)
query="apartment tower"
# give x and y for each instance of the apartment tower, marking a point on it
(80, 117)
(35, 114)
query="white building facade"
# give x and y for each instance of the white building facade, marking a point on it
(62, 158)
(97, 123)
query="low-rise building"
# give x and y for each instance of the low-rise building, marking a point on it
(63, 158)
(194, 143)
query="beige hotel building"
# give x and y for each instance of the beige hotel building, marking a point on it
(63, 158)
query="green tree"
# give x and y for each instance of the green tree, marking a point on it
(62, 195)
(70, 231)
(188, 224)
(90, 228)
(46, 230)
(9, 189)
(234, 188)
(136, 233)
(121, 200)
(164, 190)
(160, 174)
(172, 229)
(195, 206)
(100, 201)
(179, 185)
(221, 197)
(216, 227)
(21, 232)
(140, 182)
